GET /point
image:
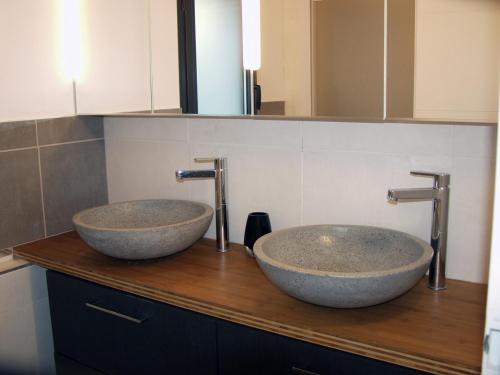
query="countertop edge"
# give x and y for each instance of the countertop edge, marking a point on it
(346, 345)
(13, 265)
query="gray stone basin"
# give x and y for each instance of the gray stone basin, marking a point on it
(143, 229)
(343, 266)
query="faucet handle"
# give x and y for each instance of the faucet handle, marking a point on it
(441, 179)
(218, 162)
(205, 160)
(208, 160)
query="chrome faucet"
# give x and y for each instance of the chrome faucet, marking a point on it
(440, 196)
(219, 175)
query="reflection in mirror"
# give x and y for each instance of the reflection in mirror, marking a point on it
(219, 57)
(210, 56)
(285, 75)
(400, 58)
(348, 58)
(442, 59)
(323, 58)
(330, 58)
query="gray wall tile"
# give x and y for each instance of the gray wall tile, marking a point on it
(21, 218)
(69, 129)
(74, 178)
(17, 135)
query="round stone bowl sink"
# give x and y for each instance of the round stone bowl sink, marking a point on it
(143, 229)
(343, 266)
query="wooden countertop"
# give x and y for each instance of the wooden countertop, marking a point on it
(436, 332)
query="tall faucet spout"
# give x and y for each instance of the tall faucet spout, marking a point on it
(440, 196)
(412, 194)
(218, 174)
(194, 174)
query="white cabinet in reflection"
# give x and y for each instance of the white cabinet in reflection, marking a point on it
(34, 82)
(164, 55)
(115, 57)
(457, 49)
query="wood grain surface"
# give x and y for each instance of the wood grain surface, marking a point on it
(436, 332)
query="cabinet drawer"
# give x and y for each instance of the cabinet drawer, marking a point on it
(116, 332)
(244, 350)
(66, 366)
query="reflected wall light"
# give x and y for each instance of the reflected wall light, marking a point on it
(250, 21)
(71, 39)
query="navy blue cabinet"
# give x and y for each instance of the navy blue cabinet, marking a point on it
(118, 333)
(248, 351)
(102, 330)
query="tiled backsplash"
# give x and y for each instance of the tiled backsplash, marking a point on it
(310, 172)
(49, 170)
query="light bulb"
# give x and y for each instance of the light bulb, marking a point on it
(250, 16)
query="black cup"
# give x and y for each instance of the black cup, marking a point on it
(258, 224)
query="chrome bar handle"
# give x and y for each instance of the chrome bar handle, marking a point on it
(92, 305)
(441, 180)
(205, 160)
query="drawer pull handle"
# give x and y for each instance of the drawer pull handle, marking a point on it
(115, 313)
(299, 371)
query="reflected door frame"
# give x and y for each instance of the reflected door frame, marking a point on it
(188, 86)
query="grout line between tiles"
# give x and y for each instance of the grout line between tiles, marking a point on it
(71, 142)
(301, 189)
(41, 180)
(18, 149)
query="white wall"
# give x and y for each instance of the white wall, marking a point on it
(219, 57)
(33, 83)
(310, 172)
(25, 330)
(456, 59)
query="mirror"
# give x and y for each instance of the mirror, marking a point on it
(366, 59)
(443, 59)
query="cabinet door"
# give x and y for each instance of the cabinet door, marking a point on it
(118, 333)
(456, 59)
(66, 366)
(164, 55)
(115, 64)
(244, 350)
(33, 79)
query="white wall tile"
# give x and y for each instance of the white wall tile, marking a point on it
(343, 136)
(474, 141)
(276, 134)
(305, 173)
(329, 197)
(156, 129)
(259, 179)
(144, 169)
(387, 138)
(471, 210)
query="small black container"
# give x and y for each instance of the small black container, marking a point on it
(258, 224)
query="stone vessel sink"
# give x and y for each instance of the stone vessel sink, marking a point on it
(342, 265)
(143, 229)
